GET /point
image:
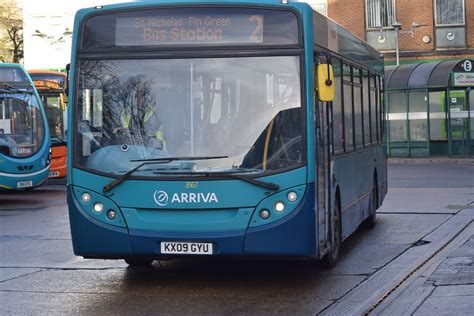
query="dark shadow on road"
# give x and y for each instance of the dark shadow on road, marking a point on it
(219, 285)
(45, 196)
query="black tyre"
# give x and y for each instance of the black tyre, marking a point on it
(138, 262)
(374, 202)
(329, 260)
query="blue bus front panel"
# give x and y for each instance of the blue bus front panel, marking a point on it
(231, 231)
(31, 169)
(25, 173)
(10, 181)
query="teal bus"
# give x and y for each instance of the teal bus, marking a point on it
(222, 128)
(25, 153)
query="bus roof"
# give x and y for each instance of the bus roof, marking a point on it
(11, 65)
(147, 3)
(47, 72)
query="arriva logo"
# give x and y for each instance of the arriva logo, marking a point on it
(162, 198)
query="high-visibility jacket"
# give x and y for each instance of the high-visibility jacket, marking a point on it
(126, 117)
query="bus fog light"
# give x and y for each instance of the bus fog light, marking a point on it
(292, 196)
(264, 214)
(98, 207)
(111, 214)
(279, 206)
(86, 197)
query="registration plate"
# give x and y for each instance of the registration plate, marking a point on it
(53, 174)
(24, 184)
(186, 248)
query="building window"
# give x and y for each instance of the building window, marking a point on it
(380, 13)
(449, 12)
(450, 28)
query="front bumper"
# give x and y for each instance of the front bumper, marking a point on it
(293, 235)
(58, 167)
(13, 181)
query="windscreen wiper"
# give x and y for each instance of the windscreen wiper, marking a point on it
(152, 161)
(9, 88)
(168, 159)
(267, 185)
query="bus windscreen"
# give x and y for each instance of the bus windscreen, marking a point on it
(197, 26)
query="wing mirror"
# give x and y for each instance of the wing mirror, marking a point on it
(325, 82)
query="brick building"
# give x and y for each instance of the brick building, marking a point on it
(430, 29)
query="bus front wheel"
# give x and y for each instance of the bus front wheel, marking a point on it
(330, 258)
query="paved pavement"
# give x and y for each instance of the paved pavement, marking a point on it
(443, 286)
(444, 283)
(426, 279)
(436, 275)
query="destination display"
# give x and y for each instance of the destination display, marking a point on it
(189, 29)
(196, 26)
(47, 84)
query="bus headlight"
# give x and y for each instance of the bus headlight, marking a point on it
(264, 214)
(292, 196)
(98, 207)
(111, 214)
(85, 197)
(279, 206)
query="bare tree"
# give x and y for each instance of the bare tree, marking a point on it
(11, 31)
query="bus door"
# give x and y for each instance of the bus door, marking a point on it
(322, 149)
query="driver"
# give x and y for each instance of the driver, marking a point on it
(144, 124)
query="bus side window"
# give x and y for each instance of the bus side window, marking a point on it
(373, 111)
(365, 106)
(358, 124)
(338, 115)
(348, 106)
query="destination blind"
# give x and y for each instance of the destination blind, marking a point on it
(191, 27)
(47, 84)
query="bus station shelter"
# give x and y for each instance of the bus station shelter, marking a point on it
(430, 109)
